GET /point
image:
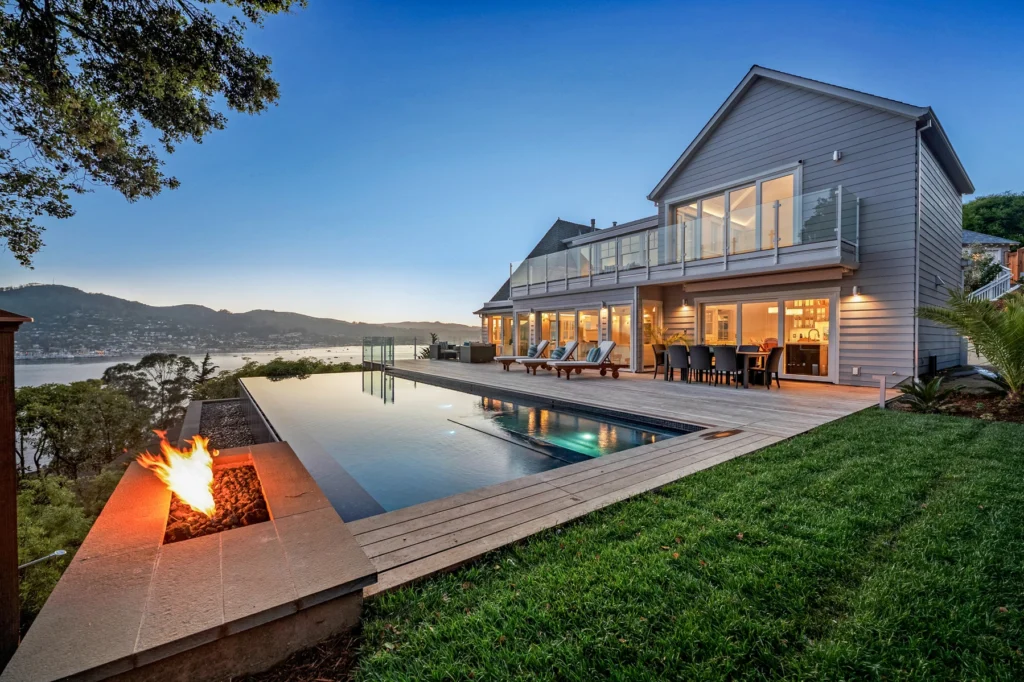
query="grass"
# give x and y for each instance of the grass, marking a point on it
(882, 546)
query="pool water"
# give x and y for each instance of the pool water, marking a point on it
(376, 443)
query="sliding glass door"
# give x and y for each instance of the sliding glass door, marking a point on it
(620, 330)
(807, 332)
(804, 327)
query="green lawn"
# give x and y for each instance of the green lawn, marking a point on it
(884, 546)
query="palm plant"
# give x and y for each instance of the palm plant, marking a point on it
(924, 397)
(425, 352)
(995, 328)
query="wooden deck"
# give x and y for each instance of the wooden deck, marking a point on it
(411, 543)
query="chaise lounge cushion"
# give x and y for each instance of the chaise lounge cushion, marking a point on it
(531, 352)
(557, 353)
(593, 355)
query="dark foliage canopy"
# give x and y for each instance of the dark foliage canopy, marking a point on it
(1000, 215)
(93, 91)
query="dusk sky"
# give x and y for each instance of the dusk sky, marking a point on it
(419, 147)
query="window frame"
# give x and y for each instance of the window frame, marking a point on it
(672, 203)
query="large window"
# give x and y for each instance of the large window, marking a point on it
(760, 322)
(803, 327)
(589, 331)
(578, 261)
(566, 327)
(548, 328)
(522, 333)
(508, 336)
(631, 252)
(807, 332)
(712, 226)
(686, 217)
(747, 218)
(720, 325)
(606, 259)
(743, 219)
(650, 330)
(777, 212)
(620, 326)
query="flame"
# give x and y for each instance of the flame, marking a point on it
(188, 473)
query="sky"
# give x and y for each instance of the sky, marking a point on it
(419, 147)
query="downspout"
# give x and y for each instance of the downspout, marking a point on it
(917, 253)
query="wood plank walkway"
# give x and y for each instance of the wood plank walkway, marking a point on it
(415, 542)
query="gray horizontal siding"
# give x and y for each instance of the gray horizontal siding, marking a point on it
(777, 124)
(940, 245)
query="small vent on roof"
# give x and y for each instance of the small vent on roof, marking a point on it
(614, 223)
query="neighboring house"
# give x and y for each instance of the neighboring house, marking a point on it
(804, 214)
(997, 247)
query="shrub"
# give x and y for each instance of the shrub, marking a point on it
(924, 397)
(50, 517)
(995, 328)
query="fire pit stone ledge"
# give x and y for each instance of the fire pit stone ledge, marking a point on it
(235, 602)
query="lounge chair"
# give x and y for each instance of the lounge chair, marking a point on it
(542, 363)
(598, 361)
(538, 351)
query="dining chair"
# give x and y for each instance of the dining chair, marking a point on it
(659, 357)
(700, 361)
(727, 364)
(771, 368)
(678, 359)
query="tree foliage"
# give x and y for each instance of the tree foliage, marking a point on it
(161, 382)
(93, 91)
(1001, 215)
(995, 328)
(49, 518)
(76, 428)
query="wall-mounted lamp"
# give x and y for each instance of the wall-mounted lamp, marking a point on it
(837, 155)
(857, 291)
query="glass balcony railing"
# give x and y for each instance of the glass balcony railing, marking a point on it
(830, 215)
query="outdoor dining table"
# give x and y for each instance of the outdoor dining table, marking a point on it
(747, 355)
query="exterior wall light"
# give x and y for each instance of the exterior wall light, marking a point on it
(857, 292)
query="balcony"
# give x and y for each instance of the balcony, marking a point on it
(806, 231)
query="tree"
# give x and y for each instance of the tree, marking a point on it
(981, 268)
(1000, 215)
(162, 382)
(206, 370)
(85, 84)
(996, 328)
(79, 427)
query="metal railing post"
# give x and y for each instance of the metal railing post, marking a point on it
(839, 219)
(725, 240)
(775, 230)
(857, 237)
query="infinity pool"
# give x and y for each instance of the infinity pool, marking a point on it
(376, 443)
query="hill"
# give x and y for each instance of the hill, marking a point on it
(70, 321)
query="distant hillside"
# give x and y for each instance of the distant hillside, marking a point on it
(71, 321)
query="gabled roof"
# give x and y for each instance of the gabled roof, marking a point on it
(971, 237)
(934, 135)
(559, 232)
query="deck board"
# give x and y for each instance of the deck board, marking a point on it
(414, 542)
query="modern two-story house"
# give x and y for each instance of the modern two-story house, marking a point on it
(804, 215)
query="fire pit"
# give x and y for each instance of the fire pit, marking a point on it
(221, 578)
(206, 497)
